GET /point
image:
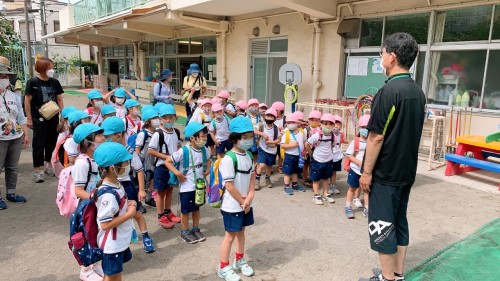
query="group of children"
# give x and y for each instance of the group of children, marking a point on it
(114, 143)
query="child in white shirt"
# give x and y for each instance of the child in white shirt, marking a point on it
(219, 130)
(292, 142)
(270, 137)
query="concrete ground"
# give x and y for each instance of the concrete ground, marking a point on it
(292, 238)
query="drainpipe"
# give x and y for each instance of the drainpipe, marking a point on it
(223, 59)
(317, 42)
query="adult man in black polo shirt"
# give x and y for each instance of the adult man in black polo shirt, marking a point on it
(391, 155)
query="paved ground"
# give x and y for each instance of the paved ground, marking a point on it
(292, 239)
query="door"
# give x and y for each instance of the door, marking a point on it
(265, 79)
(276, 89)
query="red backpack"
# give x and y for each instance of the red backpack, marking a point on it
(59, 152)
(347, 162)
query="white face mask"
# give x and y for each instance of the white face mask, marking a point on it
(50, 72)
(125, 172)
(291, 127)
(4, 83)
(384, 70)
(120, 100)
(195, 75)
(136, 112)
(99, 103)
(155, 123)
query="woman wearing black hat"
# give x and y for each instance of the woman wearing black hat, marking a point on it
(13, 134)
(163, 90)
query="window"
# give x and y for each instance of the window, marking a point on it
(170, 48)
(57, 27)
(210, 45)
(371, 32)
(279, 45)
(22, 30)
(196, 46)
(491, 98)
(496, 23)
(467, 24)
(420, 64)
(130, 50)
(210, 67)
(183, 46)
(154, 67)
(417, 25)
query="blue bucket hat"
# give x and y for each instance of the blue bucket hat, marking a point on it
(77, 116)
(193, 128)
(146, 107)
(194, 68)
(159, 106)
(84, 130)
(165, 73)
(113, 125)
(167, 109)
(131, 103)
(111, 153)
(107, 109)
(67, 110)
(149, 114)
(94, 94)
(120, 93)
(240, 125)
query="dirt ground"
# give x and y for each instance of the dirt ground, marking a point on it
(292, 238)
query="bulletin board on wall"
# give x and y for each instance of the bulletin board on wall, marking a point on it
(363, 75)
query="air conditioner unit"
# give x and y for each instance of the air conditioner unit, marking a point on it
(349, 28)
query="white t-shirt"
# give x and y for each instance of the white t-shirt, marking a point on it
(141, 142)
(256, 121)
(170, 140)
(337, 151)
(360, 155)
(270, 133)
(221, 129)
(195, 114)
(71, 147)
(323, 147)
(80, 173)
(135, 165)
(301, 138)
(203, 118)
(241, 181)
(95, 117)
(107, 207)
(189, 184)
(132, 126)
(121, 111)
(230, 107)
(279, 122)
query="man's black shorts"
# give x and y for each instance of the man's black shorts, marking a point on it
(387, 221)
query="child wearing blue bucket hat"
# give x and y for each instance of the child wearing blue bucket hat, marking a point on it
(133, 122)
(96, 102)
(113, 160)
(75, 119)
(63, 127)
(237, 170)
(194, 162)
(107, 111)
(117, 98)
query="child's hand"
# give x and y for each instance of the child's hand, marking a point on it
(217, 143)
(266, 137)
(181, 177)
(142, 195)
(131, 207)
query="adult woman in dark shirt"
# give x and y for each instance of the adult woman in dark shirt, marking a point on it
(40, 90)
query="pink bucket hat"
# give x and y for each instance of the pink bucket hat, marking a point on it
(315, 114)
(253, 101)
(205, 102)
(337, 118)
(242, 104)
(292, 117)
(261, 105)
(217, 107)
(363, 120)
(299, 114)
(278, 106)
(223, 94)
(272, 111)
(328, 117)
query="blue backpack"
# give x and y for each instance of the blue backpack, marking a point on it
(83, 228)
(131, 141)
(185, 164)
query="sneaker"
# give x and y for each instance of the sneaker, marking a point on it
(365, 212)
(269, 183)
(299, 188)
(333, 189)
(378, 272)
(165, 222)
(88, 274)
(243, 267)
(150, 201)
(189, 237)
(257, 184)
(16, 198)
(357, 203)
(37, 177)
(173, 218)
(348, 212)
(227, 273)
(49, 172)
(142, 209)
(317, 200)
(98, 269)
(329, 198)
(149, 247)
(373, 278)
(288, 191)
(307, 182)
(3, 205)
(200, 236)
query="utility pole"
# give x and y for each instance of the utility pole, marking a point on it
(43, 16)
(28, 39)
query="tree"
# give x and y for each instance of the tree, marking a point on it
(8, 37)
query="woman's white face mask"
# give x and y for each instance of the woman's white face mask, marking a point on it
(195, 75)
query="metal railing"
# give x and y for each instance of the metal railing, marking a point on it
(88, 10)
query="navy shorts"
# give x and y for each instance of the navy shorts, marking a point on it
(320, 171)
(353, 179)
(266, 158)
(162, 176)
(234, 222)
(337, 165)
(224, 146)
(132, 193)
(113, 263)
(210, 141)
(291, 165)
(187, 202)
(387, 221)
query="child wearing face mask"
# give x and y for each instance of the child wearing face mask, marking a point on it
(253, 114)
(262, 109)
(114, 132)
(219, 131)
(269, 139)
(96, 102)
(205, 118)
(85, 175)
(322, 156)
(241, 108)
(63, 128)
(356, 152)
(191, 177)
(313, 127)
(117, 100)
(163, 143)
(337, 154)
(292, 142)
(133, 122)
(112, 213)
(75, 119)
(280, 122)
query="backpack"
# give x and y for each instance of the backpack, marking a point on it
(216, 188)
(347, 162)
(131, 141)
(58, 153)
(321, 139)
(215, 125)
(185, 164)
(66, 199)
(161, 141)
(83, 228)
(287, 140)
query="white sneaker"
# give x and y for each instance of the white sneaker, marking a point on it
(357, 203)
(228, 274)
(317, 200)
(243, 266)
(98, 269)
(329, 198)
(333, 189)
(88, 274)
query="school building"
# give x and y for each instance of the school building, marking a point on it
(241, 45)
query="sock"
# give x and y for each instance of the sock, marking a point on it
(268, 177)
(385, 279)
(166, 211)
(295, 184)
(257, 176)
(160, 215)
(186, 231)
(223, 264)
(287, 185)
(348, 204)
(399, 276)
(195, 228)
(145, 234)
(239, 256)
